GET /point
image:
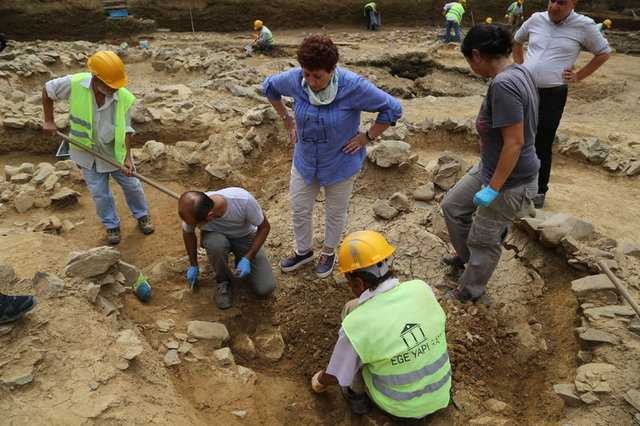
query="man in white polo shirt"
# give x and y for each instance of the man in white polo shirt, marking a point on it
(555, 39)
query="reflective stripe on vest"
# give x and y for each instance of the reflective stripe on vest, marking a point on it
(455, 13)
(406, 396)
(414, 376)
(79, 134)
(81, 115)
(80, 121)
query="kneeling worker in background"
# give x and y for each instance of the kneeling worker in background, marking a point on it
(392, 346)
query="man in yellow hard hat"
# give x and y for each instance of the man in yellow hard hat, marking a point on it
(263, 38)
(606, 24)
(515, 13)
(100, 119)
(392, 346)
(453, 13)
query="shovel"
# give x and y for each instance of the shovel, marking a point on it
(619, 285)
(111, 161)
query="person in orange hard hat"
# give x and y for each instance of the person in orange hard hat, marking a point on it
(264, 38)
(100, 119)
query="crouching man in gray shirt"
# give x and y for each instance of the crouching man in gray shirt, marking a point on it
(230, 220)
(555, 39)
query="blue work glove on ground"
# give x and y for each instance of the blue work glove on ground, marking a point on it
(192, 275)
(485, 196)
(244, 267)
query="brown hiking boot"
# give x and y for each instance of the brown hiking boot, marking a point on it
(145, 225)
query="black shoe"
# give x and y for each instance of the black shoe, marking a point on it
(461, 296)
(453, 260)
(145, 225)
(360, 403)
(456, 266)
(538, 201)
(296, 261)
(12, 308)
(223, 296)
(113, 236)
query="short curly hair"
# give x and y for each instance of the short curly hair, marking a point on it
(318, 52)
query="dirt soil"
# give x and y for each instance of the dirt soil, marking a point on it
(513, 349)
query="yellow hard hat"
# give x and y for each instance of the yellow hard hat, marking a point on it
(362, 249)
(520, 1)
(489, 20)
(109, 68)
(257, 24)
(607, 23)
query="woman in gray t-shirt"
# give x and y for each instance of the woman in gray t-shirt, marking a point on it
(501, 186)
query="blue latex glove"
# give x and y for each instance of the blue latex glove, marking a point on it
(192, 275)
(485, 196)
(243, 268)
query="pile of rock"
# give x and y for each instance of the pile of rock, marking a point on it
(606, 322)
(388, 153)
(459, 126)
(596, 151)
(608, 327)
(388, 209)
(28, 186)
(102, 276)
(219, 155)
(446, 170)
(267, 344)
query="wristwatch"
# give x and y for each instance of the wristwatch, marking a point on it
(369, 138)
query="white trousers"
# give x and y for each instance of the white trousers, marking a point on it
(303, 197)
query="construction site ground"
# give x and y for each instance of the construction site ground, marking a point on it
(513, 350)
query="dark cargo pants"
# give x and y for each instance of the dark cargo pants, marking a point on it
(476, 233)
(218, 247)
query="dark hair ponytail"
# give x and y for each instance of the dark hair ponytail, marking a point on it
(490, 40)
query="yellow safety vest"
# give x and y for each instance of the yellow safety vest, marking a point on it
(81, 115)
(399, 336)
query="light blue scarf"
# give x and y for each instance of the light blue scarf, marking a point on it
(324, 96)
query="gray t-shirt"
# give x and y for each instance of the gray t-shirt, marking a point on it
(512, 98)
(242, 217)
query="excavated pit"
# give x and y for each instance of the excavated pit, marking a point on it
(420, 74)
(513, 350)
(485, 348)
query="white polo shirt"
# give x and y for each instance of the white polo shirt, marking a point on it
(554, 48)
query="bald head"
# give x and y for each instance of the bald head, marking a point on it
(194, 207)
